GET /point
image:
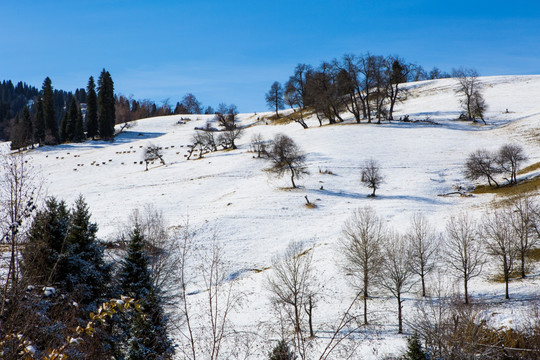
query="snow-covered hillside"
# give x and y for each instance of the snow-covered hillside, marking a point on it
(256, 216)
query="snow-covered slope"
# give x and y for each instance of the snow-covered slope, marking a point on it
(256, 216)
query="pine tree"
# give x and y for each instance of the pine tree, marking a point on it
(91, 109)
(52, 136)
(27, 128)
(73, 112)
(281, 352)
(414, 349)
(63, 127)
(78, 136)
(148, 338)
(14, 137)
(106, 117)
(39, 124)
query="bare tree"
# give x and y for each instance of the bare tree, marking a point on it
(229, 136)
(294, 289)
(371, 175)
(258, 145)
(20, 187)
(152, 152)
(499, 241)
(482, 163)
(226, 116)
(361, 247)
(423, 245)
(463, 249)
(397, 73)
(510, 157)
(470, 88)
(286, 156)
(523, 214)
(274, 97)
(397, 271)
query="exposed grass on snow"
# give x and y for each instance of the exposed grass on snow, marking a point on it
(533, 254)
(510, 190)
(288, 118)
(529, 168)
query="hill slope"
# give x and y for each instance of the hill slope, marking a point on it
(256, 216)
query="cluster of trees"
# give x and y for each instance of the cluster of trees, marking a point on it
(486, 164)
(58, 276)
(56, 117)
(366, 86)
(129, 109)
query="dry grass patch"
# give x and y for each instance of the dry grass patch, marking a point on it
(286, 119)
(510, 190)
(499, 278)
(529, 168)
(533, 254)
(311, 205)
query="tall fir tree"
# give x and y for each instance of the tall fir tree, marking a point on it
(73, 112)
(52, 135)
(78, 136)
(91, 109)
(63, 127)
(106, 109)
(39, 123)
(27, 128)
(15, 135)
(148, 338)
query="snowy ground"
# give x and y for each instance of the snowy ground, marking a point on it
(256, 216)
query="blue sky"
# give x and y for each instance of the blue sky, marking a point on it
(232, 51)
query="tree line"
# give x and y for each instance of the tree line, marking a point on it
(366, 86)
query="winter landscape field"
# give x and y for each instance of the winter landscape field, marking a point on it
(229, 198)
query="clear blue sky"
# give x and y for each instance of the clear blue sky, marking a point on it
(232, 51)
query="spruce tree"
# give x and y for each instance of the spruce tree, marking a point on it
(39, 123)
(63, 127)
(52, 136)
(73, 112)
(106, 110)
(281, 352)
(414, 349)
(78, 136)
(91, 109)
(27, 128)
(15, 136)
(148, 338)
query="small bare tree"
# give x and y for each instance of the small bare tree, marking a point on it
(397, 271)
(258, 145)
(229, 136)
(294, 288)
(500, 242)
(510, 157)
(371, 175)
(20, 187)
(423, 245)
(482, 163)
(153, 152)
(463, 249)
(361, 248)
(470, 88)
(523, 213)
(286, 156)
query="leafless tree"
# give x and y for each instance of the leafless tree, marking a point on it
(500, 242)
(397, 274)
(510, 157)
(322, 93)
(523, 214)
(258, 145)
(482, 163)
(152, 152)
(20, 187)
(397, 73)
(226, 116)
(463, 249)
(274, 97)
(470, 88)
(423, 245)
(361, 247)
(294, 288)
(286, 156)
(229, 136)
(371, 175)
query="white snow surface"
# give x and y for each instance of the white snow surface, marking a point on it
(256, 216)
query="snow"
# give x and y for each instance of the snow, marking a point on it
(256, 216)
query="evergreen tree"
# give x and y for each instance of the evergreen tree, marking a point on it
(27, 128)
(63, 127)
(106, 109)
(78, 136)
(281, 352)
(14, 137)
(39, 124)
(73, 112)
(148, 338)
(51, 127)
(91, 109)
(414, 349)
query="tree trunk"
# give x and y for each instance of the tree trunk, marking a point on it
(422, 276)
(466, 291)
(400, 320)
(522, 256)
(365, 306)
